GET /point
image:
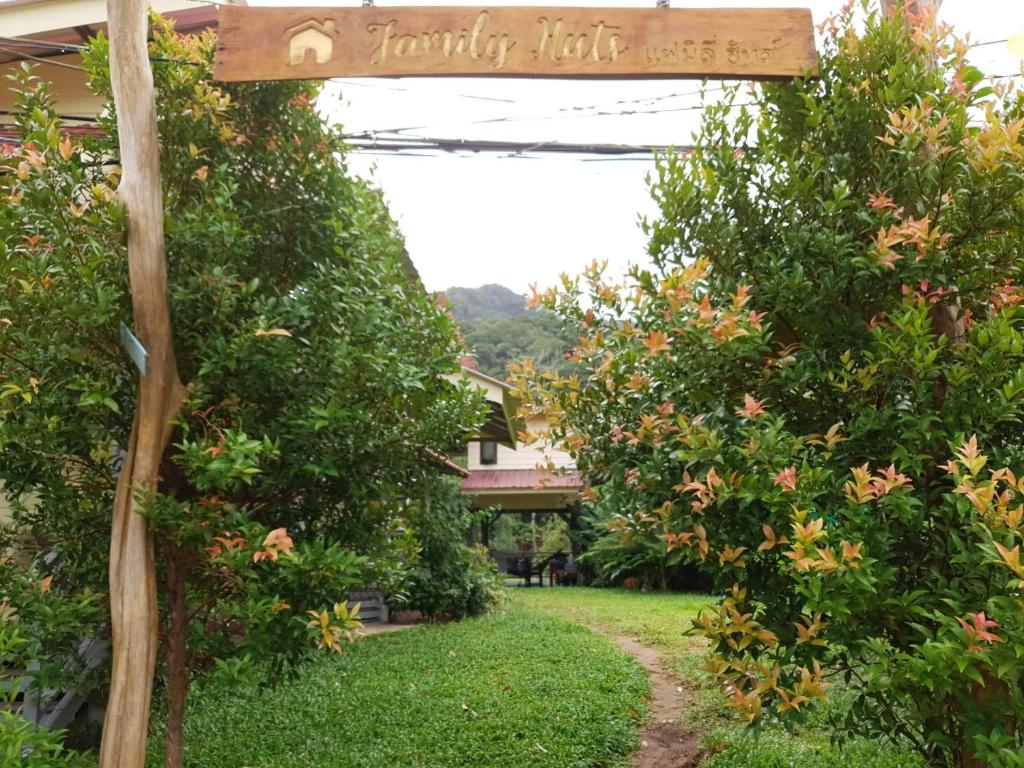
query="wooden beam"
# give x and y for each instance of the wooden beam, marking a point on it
(133, 599)
(317, 43)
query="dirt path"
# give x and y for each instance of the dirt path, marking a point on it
(664, 743)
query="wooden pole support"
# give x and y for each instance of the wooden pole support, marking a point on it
(133, 600)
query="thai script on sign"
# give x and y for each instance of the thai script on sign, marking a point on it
(712, 52)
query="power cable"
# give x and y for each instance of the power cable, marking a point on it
(518, 119)
(402, 144)
(42, 60)
(351, 82)
(76, 118)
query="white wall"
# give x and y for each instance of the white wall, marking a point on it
(22, 19)
(526, 457)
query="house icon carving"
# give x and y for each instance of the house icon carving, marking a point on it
(311, 41)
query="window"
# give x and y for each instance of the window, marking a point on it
(488, 452)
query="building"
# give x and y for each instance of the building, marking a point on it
(48, 34)
(516, 478)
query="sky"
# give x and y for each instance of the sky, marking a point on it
(471, 219)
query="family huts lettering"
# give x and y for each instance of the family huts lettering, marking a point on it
(556, 41)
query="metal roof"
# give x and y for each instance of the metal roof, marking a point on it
(522, 479)
(46, 43)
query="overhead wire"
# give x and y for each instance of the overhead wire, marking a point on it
(494, 145)
(42, 60)
(353, 82)
(62, 116)
(64, 49)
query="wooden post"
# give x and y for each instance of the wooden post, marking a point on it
(133, 603)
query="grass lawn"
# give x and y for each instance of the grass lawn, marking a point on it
(514, 690)
(660, 620)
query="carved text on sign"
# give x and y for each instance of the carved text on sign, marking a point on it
(391, 41)
(260, 43)
(736, 52)
(602, 42)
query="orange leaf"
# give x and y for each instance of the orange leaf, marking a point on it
(656, 343)
(751, 408)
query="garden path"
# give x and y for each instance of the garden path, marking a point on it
(665, 743)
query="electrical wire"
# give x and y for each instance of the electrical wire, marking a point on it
(42, 60)
(76, 118)
(403, 144)
(358, 84)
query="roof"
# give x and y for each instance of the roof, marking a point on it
(73, 22)
(503, 420)
(476, 373)
(528, 479)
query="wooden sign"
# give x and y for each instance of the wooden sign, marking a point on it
(317, 43)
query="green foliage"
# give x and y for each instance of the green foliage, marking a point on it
(499, 329)
(788, 397)
(554, 535)
(316, 370)
(547, 533)
(449, 579)
(778, 750)
(21, 742)
(511, 689)
(536, 336)
(616, 548)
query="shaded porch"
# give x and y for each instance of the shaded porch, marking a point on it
(532, 495)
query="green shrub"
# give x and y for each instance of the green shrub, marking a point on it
(449, 579)
(22, 743)
(316, 368)
(816, 392)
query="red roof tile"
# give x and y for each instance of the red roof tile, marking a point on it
(497, 479)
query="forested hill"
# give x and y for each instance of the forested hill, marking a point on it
(488, 302)
(499, 329)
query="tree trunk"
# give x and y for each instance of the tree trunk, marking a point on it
(177, 658)
(133, 603)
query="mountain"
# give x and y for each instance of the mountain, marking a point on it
(499, 329)
(485, 303)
